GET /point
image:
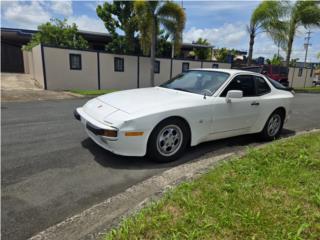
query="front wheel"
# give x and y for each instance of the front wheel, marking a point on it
(168, 140)
(273, 126)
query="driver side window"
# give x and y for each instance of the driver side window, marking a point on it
(245, 83)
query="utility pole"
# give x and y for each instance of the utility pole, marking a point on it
(306, 46)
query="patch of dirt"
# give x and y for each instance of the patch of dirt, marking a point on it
(21, 88)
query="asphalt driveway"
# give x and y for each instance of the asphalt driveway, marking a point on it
(51, 170)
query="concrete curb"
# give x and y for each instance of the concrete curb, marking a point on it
(96, 220)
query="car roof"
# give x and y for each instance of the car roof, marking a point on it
(230, 71)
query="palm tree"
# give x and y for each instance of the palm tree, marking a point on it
(301, 13)
(153, 14)
(263, 18)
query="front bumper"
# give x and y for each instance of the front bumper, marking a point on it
(121, 145)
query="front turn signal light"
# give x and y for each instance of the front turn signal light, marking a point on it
(133, 134)
(110, 133)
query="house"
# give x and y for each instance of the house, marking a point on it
(12, 40)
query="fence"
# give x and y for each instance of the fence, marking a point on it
(61, 69)
(301, 77)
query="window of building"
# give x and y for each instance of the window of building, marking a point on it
(245, 83)
(75, 61)
(118, 64)
(215, 65)
(300, 72)
(156, 66)
(185, 67)
(311, 72)
(262, 86)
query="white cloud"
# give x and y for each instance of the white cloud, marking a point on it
(87, 23)
(26, 14)
(33, 13)
(228, 35)
(235, 36)
(62, 7)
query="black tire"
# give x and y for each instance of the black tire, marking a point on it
(154, 144)
(266, 134)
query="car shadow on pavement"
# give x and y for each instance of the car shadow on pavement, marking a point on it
(212, 148)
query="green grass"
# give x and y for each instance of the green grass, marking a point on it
(92, 92)
(270, 193)
(309, 89)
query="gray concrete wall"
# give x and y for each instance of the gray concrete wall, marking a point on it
(300, 77)
(159, 78)
(111, 79)
(30, 63)
(25, 55)
(220, 65)
(59, 76)
(37, 65)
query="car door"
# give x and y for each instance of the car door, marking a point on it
(239, 115)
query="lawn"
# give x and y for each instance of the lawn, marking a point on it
(270, 193)
(92, 92)
(309, 89)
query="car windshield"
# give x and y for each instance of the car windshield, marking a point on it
(197, 81)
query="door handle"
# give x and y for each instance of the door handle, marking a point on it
(255, 103)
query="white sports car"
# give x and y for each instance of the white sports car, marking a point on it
(197, 106)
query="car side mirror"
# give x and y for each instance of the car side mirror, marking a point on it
(233, 94)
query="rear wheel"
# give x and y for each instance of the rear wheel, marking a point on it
(168, 140)
(273, 126)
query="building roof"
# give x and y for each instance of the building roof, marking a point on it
(23, 36)
(26, 34)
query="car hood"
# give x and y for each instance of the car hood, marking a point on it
(141, 99)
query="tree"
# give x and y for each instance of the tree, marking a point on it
(221, 54)
(318, 56)
(57, 33)
(153, 14)
(276, 60)
(163, 45)
(299, 14)
(202, 53)
(293, 62)
(263, 18)
(119, 15)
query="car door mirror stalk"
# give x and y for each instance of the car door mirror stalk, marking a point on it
(233, 94)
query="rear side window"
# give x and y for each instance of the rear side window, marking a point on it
(244, 83)
(276, 84)
(262, 86)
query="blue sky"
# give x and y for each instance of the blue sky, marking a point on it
(223, 23)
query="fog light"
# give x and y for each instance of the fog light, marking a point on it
(109, 133)
(133, 134)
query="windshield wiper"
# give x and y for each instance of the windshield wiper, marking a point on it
(181, 89)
